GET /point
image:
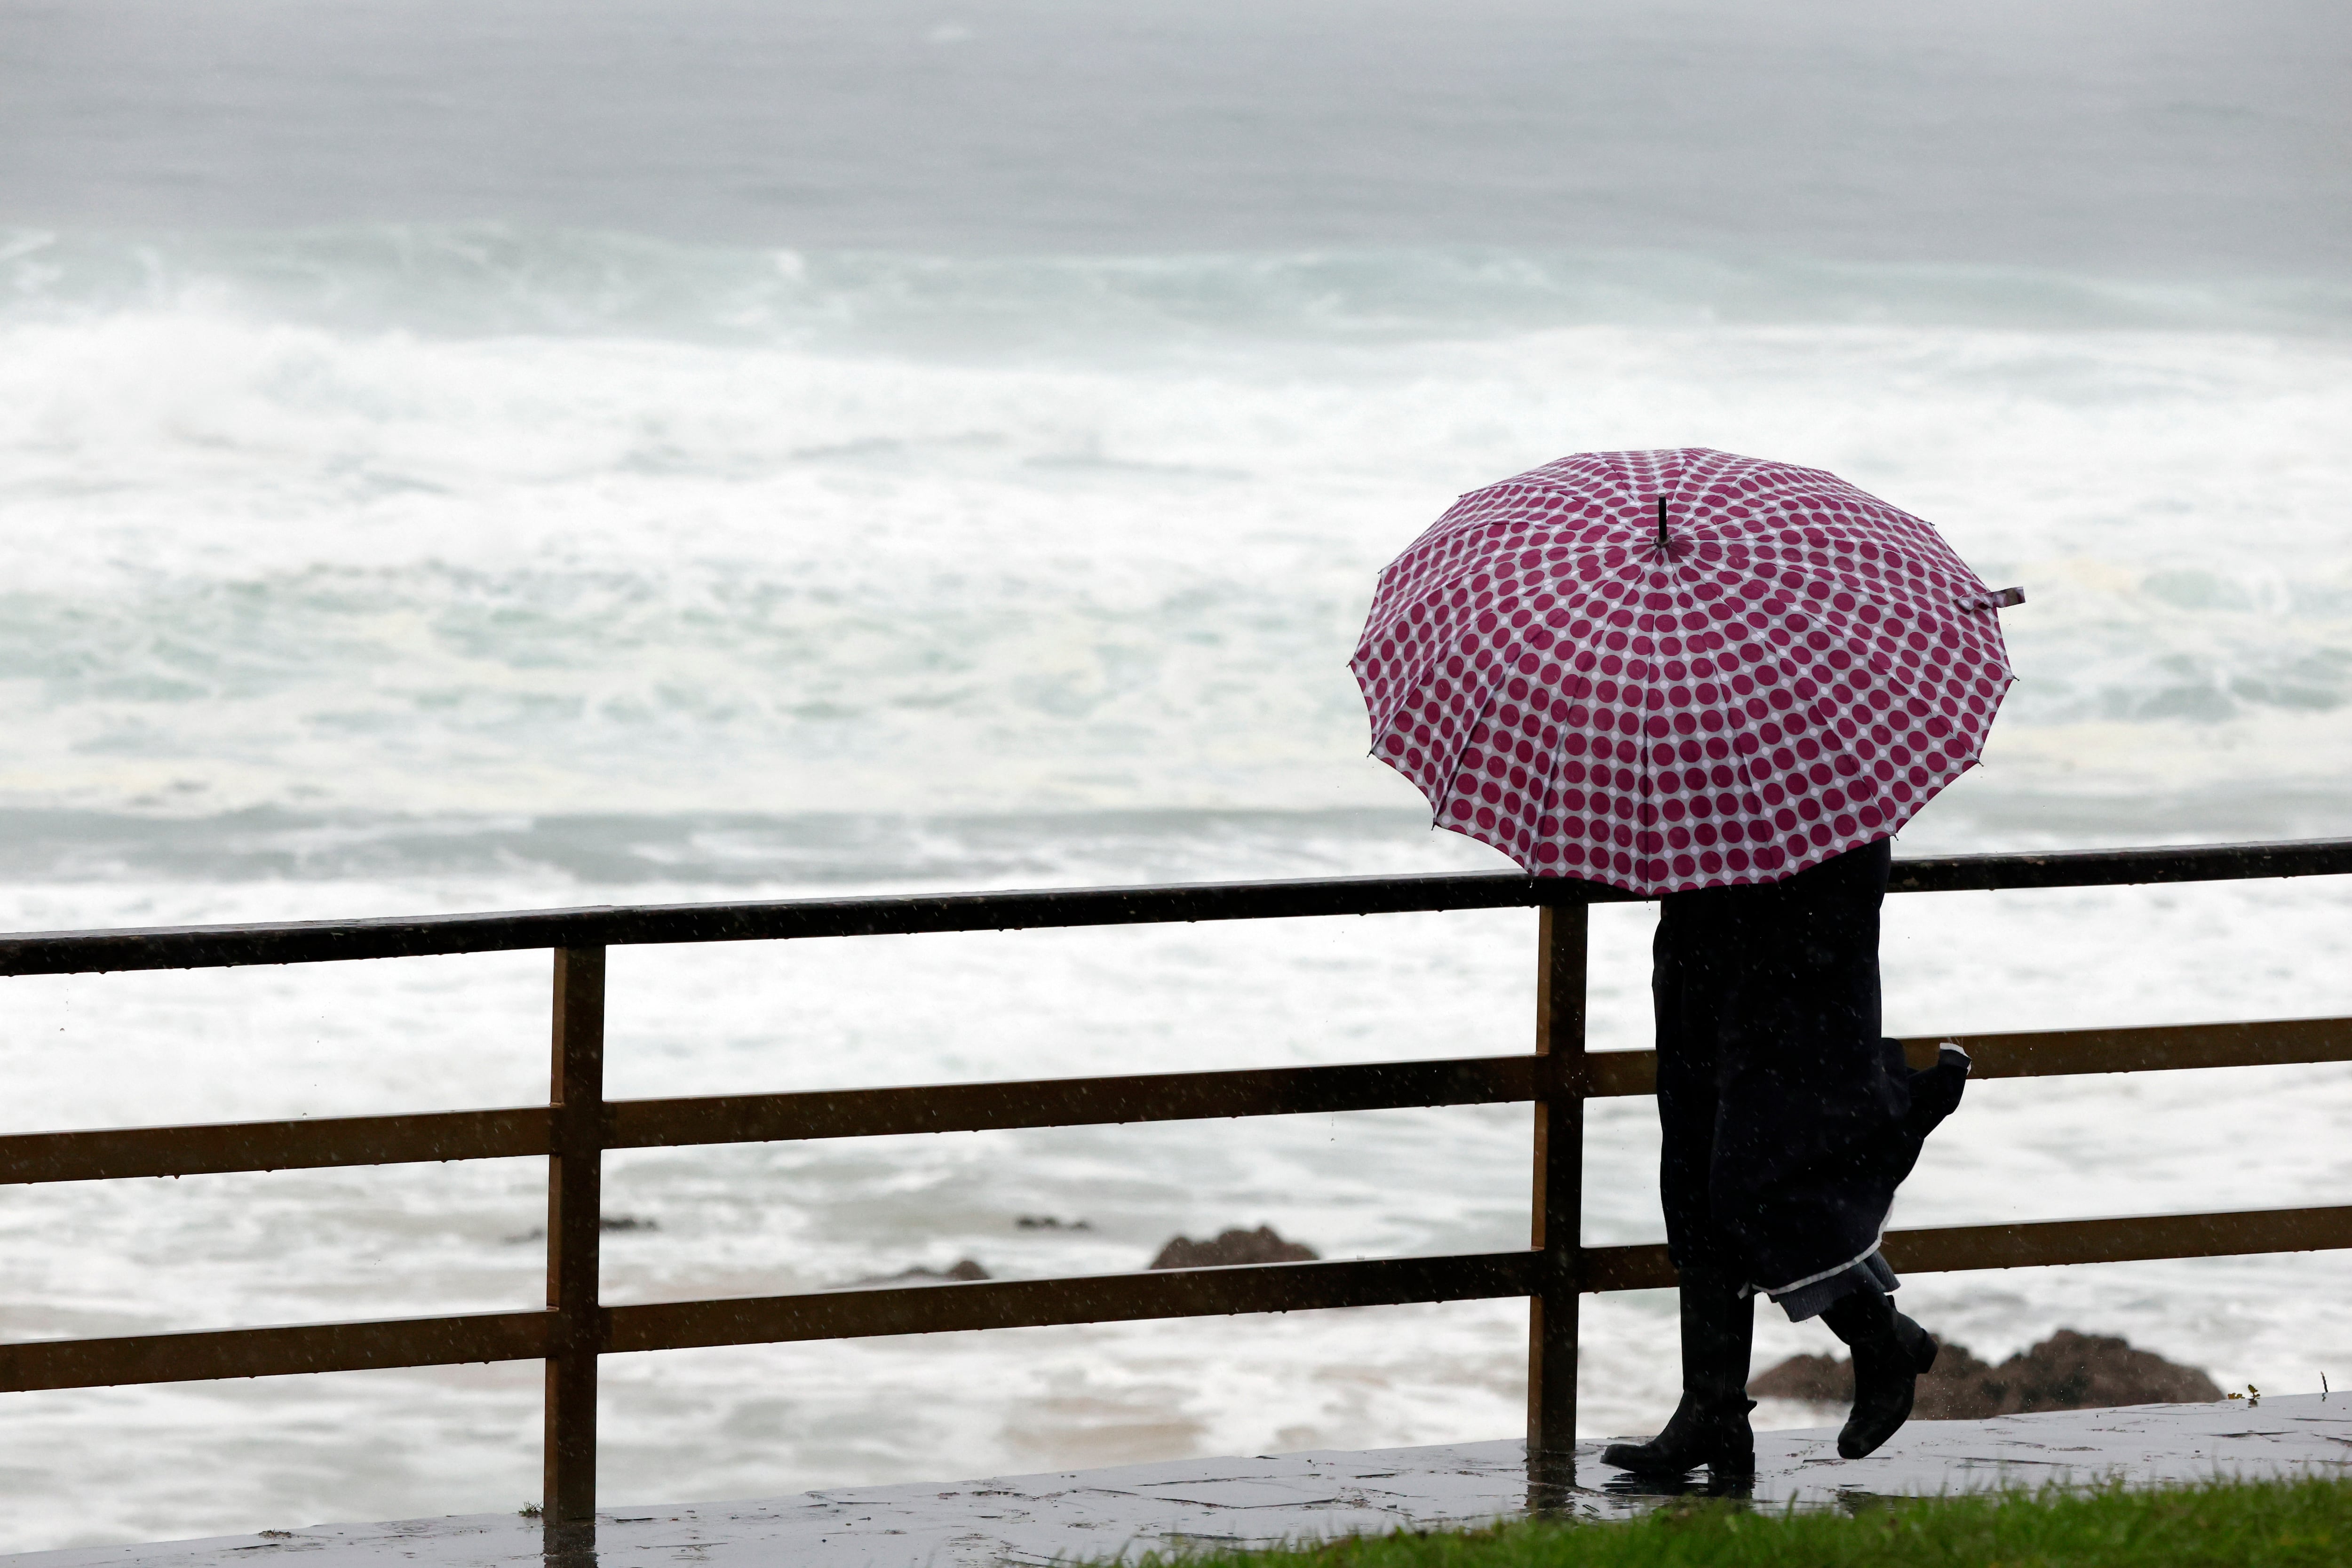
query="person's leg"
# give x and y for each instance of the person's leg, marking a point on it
(1819, 1123)
(1709, 1427)
(1890, 1353)
(1867, 1176)
(1689, 974)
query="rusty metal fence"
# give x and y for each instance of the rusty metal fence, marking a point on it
(578, 1125)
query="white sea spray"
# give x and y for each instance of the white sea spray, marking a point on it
(358, 566)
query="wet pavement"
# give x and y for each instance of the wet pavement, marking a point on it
(1075, 1515)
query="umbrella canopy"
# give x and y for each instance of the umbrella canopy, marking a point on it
(1676, 669)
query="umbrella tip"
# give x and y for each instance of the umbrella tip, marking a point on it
(1661, 526)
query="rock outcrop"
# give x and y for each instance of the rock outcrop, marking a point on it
(2068, 1371)
(1259, 1246)
(958, 1273)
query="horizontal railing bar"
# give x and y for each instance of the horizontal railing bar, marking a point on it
(2138, 1238)
(524, 1130)
(1069, 1102)
(1474, 1080)
(318, 941)
(1096, 1298)
(1641, 1266)
(2169, 1048)
(2121, 868)
(2065, 1053)
(273, 1351)
(304, 1143)
(1085, 1298)
(1297, 1287)
(2038, 1244)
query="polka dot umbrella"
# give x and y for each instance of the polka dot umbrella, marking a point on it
(1677, 670)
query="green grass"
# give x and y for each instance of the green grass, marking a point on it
(2268, 1524)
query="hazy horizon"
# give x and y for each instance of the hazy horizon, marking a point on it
(2162, 138)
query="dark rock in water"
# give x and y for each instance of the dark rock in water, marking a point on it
(1259, 1246)
(2090, 1372)
(2068, 1371)
(958, 1273)
(1047, 1222)
(1815, 1379)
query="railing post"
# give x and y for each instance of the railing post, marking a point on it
(575, 1209)
(1558, 1179)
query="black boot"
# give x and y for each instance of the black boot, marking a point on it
(1709, 1426)
(1890, 1351)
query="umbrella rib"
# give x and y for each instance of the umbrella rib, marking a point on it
(1420, 674)
(1833, 743)
(1469, 728)
(1649, 816)
(1840, 745)
(1551, 777)
(1545, 806)
(1826, 735)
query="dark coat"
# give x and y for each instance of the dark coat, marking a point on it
(1789, 1119)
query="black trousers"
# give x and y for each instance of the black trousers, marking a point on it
(1789, 1120)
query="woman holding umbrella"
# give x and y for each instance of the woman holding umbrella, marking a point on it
(1726, 683)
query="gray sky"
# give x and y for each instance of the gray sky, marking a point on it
(2161, 136)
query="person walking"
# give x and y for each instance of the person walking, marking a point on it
(1787, 1122)
(1726, 683)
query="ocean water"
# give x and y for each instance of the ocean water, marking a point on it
(460, 458)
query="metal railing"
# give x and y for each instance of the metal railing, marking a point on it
(578, 1125)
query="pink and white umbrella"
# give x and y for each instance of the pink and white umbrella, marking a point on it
(1676, 669)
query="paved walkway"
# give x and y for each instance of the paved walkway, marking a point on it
(1082, 1514)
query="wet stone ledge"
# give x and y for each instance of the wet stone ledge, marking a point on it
(1076, 1515)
